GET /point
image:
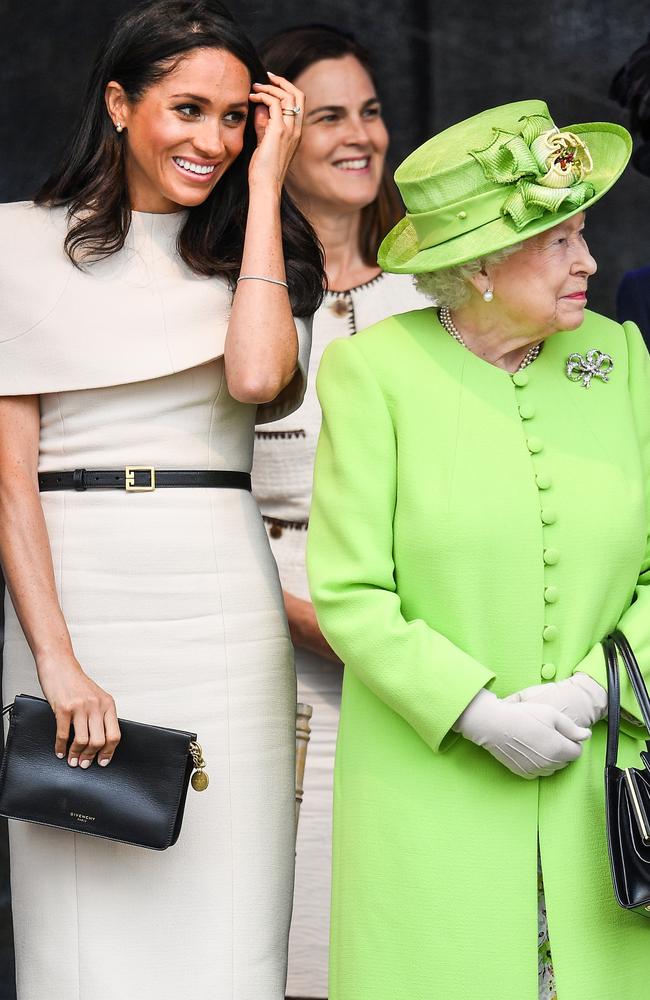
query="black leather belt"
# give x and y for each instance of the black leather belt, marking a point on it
(141, 479)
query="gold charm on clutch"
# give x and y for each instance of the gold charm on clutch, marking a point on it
(200, 779)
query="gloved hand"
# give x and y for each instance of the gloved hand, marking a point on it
(579, 696)
(529, 739)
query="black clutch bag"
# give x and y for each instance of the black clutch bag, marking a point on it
(138, 799)
(627, 790)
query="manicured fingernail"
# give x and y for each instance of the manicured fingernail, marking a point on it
(60, 756)
(105, 761)
(85, 763)
(73, 761)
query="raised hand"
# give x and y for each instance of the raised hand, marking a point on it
(278, 123)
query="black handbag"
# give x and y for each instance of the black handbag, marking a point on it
(627, 790)
(138, 799)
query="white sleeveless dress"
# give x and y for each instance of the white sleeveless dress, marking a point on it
(173, 602)
(282, 483)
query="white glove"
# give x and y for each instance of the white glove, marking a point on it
(579, 696)
(528, 738)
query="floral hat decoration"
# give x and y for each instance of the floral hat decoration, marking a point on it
(497, 179)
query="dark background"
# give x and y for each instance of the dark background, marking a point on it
(437, 63)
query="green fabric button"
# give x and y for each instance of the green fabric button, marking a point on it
(526, 411)
(551, 595)
(551, 556)
(549, 633)
(548, 671)
(535, 444)
(520, 379)
(549, 515)
(543, 480)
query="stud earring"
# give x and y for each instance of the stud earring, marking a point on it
(488, 295)
(119, 127)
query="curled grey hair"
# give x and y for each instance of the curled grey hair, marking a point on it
(450, 287)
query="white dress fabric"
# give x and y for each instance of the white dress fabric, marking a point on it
(174, 605)
(282, 484)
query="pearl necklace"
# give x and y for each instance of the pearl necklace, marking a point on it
(447, 322)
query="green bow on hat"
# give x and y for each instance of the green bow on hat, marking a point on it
(548, 166)
(496, 179)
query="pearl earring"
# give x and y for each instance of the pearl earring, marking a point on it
(119, 127)
(488, 295)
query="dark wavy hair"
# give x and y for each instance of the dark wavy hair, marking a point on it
(631, 88)
(290, 53)
(91, 180)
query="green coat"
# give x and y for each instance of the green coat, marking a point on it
(474, 528)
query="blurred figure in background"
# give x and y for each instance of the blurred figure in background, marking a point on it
(631, 88)
(339, 179)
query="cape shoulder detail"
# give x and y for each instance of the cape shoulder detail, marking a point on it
(139, 314)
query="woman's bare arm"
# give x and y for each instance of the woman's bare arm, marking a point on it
(26, 561)
(261, 349)
(304, 628)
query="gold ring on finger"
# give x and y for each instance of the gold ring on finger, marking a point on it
(292, 111)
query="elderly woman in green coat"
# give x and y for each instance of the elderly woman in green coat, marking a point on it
(480, 523)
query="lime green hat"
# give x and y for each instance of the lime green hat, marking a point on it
(496, 179)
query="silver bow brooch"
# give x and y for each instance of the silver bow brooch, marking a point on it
(594, 364)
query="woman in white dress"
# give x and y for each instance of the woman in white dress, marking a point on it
(340, 181)
(121, 345)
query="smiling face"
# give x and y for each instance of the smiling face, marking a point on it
(542, 287)
(184, 132)
(339, 163)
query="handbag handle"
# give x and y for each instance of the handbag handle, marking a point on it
(634, 673)
(613, 700)
(615, 644)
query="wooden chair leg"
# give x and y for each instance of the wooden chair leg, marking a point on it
(303, 732)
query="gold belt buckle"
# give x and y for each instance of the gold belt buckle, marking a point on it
(129, 479)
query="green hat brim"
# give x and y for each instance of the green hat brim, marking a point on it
(610, 146)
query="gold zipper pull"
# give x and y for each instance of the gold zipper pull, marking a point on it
(200, 779)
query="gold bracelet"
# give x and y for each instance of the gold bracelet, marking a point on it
(260, 277)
